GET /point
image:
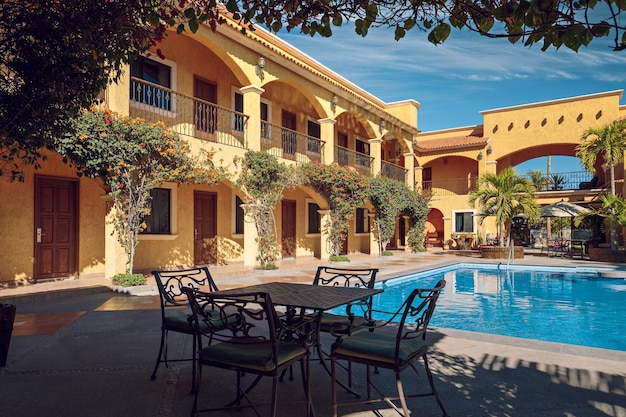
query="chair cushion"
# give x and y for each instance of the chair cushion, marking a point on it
(255, 355)
(341, 323)
(179, 323)
(380, 347)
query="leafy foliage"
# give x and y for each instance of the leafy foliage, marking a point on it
(613, 210)
(132, 157)
(390, 197)
(128, 280)
(504, 196)
(609, 142)
(416, 207)
(344, 188)
(385, 195)
(263, 180)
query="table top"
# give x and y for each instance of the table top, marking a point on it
(317, 297)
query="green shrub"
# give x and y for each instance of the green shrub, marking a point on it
(339, 258)
(387, 253)
(267, 267)
(128, 280)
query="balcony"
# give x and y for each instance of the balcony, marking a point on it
(559, 181)
(289, 144)
(187, 115)
(457, 186)
(563, 181)
(393, 171)
(360, 161)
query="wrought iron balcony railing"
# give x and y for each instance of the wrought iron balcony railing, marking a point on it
(393, 171)
(187, 115)
(360, 161)
(289, 144)
(457, 186)
(561, 181)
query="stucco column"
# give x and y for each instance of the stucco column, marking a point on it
(374, 248)
(252, 108)
(327, 133)
(375, 146)
(447, 228)
(114, 255)
(117, 95)
(324, 243)
(418, 173)
(250, 235)
(490, 167)
(409, 164)
(407, 247)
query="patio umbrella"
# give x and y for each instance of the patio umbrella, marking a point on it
(562, 209)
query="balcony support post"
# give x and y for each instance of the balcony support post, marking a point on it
(252, 107)
(418, 176)
(409, 164)
(324, 242)
(249, 238)
(327, 133)
(375, 147)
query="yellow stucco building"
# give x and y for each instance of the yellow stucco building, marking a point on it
(231, 92)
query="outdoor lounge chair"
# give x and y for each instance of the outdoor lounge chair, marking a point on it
(175, 313)
(395, 351)
(246, 335)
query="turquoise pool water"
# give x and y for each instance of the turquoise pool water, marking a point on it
(556, 305)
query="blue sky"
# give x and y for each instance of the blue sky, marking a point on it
(465, 75)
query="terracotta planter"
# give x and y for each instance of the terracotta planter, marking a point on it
(496, 252)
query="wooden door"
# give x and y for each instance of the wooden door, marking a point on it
(289, 135)
(55, 228)
(289, 228)
(204, 111)
(205, 228)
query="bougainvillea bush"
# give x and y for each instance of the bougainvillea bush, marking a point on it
(345, 189)
(132, 157)
(390, 198)
(263, 180)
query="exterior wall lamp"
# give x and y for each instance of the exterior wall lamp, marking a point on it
(333, 103)
(260, 66)
(489, 150)
(480, 156)
(381, 126)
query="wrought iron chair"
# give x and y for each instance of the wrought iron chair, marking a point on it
(357, 313)
(175, 314)
(247, 336)
(385, 350)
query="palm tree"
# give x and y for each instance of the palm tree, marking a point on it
(539, 180)
(504, 196)
(610, 142)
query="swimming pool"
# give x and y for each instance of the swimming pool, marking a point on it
(575, 306)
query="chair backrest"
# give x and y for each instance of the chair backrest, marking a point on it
(345, 277)
(417, 311)
(235, 318)
(349, 277)
(172, 283)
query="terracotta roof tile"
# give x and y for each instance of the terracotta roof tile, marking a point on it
(451, 143)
